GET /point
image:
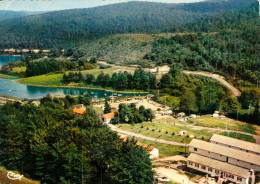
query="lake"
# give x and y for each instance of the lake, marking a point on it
(5, 59)
(11, 88)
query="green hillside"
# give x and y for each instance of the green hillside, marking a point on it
(72, 27)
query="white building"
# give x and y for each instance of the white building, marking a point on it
(223, 161)
(225, 154)
(236, 144)
(221, 169)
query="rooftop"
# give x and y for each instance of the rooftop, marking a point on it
(223, 166)
(229, 152)
(78, 111)
(236, 143)
(109, 115)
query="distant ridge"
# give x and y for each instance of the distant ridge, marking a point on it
(70, 27)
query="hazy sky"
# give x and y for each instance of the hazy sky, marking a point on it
(48, 5)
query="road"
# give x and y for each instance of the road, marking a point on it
(144, 137)
(217, 77)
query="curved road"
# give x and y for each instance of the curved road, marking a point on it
(144, 137)
(217, 77)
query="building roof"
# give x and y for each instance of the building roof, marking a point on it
(236, 143)
(222, 166)
(78, 111)
(109, 115)
(229, 152)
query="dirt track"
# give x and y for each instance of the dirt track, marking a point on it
(217, 77)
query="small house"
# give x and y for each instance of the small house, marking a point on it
(193, 116)
(181, 114)
(107, 117)
(215, 115)
(79, 109)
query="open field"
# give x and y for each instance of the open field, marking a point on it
(165, 150)
(46, 80)
(166, 131)
(223, 123)
(5, 180)
(7, 76)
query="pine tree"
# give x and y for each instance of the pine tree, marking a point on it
(107, 107)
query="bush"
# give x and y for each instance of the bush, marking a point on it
(173, 133)
(147, 128)
(166, 132)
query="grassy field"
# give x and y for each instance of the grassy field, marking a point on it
(95, 72)
(165, 131)
(6, 76)
(165, 150)
(5, 180)
(239, 136)
(46, 80)
(223, 123)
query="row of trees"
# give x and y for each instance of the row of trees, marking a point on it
(44, 66)
(140, 80)
(51, 144)
(131, 115)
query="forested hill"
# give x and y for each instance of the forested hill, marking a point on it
(245, 18)
(231, 46)
(61, 28)
(4, 15)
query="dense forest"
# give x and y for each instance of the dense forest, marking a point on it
(52, 144)
(231, 48)
(71, 27)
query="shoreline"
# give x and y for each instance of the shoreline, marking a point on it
(104, 89)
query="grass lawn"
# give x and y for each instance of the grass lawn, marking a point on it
(223, 123)
(165, 131)
(47, 80)
(239, 136)
(7, 76)
(165, 150)
(96, 71)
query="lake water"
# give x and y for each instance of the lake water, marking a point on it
(5, 59)
(11, 88)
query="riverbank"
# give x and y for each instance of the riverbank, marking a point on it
(7, 76)
(84, 87)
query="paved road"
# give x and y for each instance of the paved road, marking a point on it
(145, 137)
(217, 77)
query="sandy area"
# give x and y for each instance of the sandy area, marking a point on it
(174, 175)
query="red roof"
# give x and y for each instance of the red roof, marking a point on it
(109, 115)
(78, 111)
